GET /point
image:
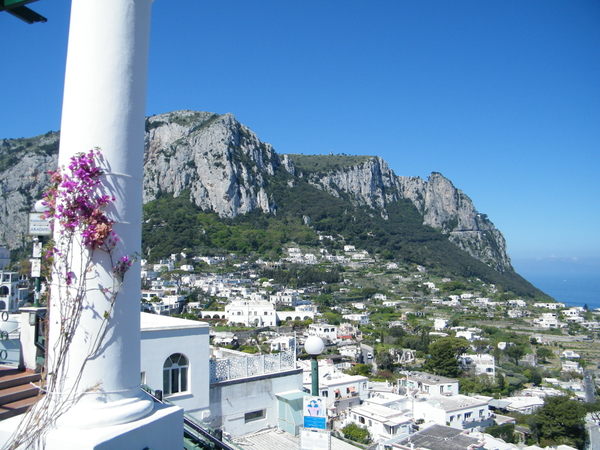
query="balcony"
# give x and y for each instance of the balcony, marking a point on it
(226, 369)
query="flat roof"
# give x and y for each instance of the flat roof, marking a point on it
(154, 322)
(429, 378)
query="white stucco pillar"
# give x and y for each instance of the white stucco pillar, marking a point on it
(104, 106)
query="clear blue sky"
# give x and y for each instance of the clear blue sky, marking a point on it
(501, 97)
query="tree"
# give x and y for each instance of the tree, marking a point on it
(505, 432)
(385, 361)
(515, 352)
(443, 356)
(543, 353)
(560, 421)
(356, 433)
(360, 369)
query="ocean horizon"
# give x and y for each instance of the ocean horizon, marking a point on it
(570, 289)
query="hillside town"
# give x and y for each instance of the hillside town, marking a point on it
(226, 343)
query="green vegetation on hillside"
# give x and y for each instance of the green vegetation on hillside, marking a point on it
(303, 211)
(326, 163)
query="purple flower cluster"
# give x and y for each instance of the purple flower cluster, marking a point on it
(122, 266)
(73, 199)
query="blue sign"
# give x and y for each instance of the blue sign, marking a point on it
(315, 412)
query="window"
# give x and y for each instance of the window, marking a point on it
(254, 415)
(4, 290)
(175, 374)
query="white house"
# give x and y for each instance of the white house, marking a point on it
(383, 423)
(323, 330)
(516, 303)
(570, 354)
(553, 306)
(251, 313)
(439, 323)
(524, 405)
(548, 321)
(480, 364)
(174, 356)
(288, 297)
(11, 295)
(283, 343)
(427, 383)
(165, 264)
(362, 319)
(252, 393)
(458, 411)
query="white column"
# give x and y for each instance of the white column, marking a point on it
(104, 106)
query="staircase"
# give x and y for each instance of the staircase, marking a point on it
(18, 391)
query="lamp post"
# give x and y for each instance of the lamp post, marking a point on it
(314, 346)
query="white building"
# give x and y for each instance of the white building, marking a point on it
(11, 295)
(361, 319)
(252, 393)
(323, 330)
(251, 313)
(516, 303)
(458, 411)
(480, 364)
(230, 390)
(548, 321)
(165, 264)
(553, 306)
(174, 356)
(427, 383)
(288, 297)
(283, 343)
(439, 324)
(383, 423)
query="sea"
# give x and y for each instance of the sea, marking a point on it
(572, 289)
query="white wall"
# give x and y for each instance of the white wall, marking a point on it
(231, 400)
(173, 335)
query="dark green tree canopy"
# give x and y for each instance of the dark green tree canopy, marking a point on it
(560, 421)
(443, 356)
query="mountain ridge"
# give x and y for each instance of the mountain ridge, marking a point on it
(230, 172)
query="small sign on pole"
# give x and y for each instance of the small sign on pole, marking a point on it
(315, 412)
(38, 226)
(36, 267)
(311, 439)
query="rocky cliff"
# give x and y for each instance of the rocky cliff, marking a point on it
(227, 169)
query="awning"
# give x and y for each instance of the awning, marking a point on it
(351, 389)
(337, 391)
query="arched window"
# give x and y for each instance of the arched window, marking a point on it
(2, 305)
(175, 374)
(4, 290)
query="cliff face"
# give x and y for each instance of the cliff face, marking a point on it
(219, 160)
(227, 168)
(443, 207)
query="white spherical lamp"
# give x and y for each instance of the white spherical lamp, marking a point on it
(314, 345)
(39, 206)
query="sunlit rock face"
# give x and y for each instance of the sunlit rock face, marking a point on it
(226, 169)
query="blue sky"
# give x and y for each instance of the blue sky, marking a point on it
(501, 97)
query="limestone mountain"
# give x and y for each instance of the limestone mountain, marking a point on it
(224, 168)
